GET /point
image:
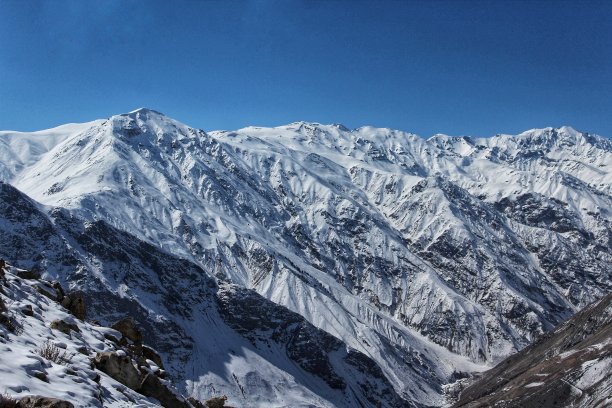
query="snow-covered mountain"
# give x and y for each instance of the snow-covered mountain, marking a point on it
(432, 258)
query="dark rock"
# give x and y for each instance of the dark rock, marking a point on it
(152, 386)
(195, 403)
(127, 327)
(149, 353)
(40, 375)
(29, 274)
(112, 338)
(6, 401)
(64, 326)
(83, 350)
(47, 291)
(37, 401)
(27, 310)
(216, 402)
(119, 367)
(60, 291)
(75, 305)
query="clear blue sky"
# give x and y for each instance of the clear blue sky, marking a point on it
(456, 67)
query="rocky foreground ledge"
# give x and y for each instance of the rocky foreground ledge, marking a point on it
(52, 357)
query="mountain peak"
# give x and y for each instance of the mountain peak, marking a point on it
(145, 121)
(146, 111)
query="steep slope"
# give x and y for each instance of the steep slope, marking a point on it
(46, 351)
(184, 315)
(570, 366)
(450, 251)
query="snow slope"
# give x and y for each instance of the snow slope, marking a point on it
(205, 333)
(24, 371)
(461, 250)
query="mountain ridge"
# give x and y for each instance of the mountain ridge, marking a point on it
(459, 252)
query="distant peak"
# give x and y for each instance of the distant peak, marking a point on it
(552, 132)
(148, 124)
(341, 127)
(146, 111)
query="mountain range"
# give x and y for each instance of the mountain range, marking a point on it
(309, 264)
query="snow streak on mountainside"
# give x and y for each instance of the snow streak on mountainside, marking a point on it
(451, 251)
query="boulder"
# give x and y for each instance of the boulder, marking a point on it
(195, 403)
(31, 274)
(27, 310)
(127, 327)
(60, 291)
(216, 402)
(64, 326)
(152, 386)
(46, 290)
(152, 355)
(37, 401)
(120, 367)
(75, 305)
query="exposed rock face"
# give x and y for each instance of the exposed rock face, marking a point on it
(29, 274)
(217, 402)
(152, 386)
(250, 315)
(260, 321)
(36, 401)
(75, 303)
(570, 366)
(26, 310)
(120, 367)
(64, 326)
(149, 353)
(127, 327)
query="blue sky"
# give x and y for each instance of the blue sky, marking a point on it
(456, 67)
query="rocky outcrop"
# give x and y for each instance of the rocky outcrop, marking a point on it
(64, 326)
(37, 401)
(75, 303)
(153, 386)
(29, 274)
(119, 366)
(217, 402)
(127, 327)
(123, 368)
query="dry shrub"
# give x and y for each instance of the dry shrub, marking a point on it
(11, 322)
(53, 353)
(7, 401)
